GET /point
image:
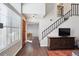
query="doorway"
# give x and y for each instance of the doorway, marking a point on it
(32, 31)
(24, 36)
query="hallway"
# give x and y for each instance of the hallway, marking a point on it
(33, 49)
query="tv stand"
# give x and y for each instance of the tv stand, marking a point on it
(61, 42)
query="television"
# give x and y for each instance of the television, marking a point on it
(64, 31)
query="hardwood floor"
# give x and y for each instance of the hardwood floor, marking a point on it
(33, 49)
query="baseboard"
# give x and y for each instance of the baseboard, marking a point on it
(43, 45)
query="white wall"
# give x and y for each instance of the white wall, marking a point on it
(67, 7)
(17, 6)
(34, 8)
(34, 29)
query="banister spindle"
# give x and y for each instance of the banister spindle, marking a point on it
(77, 9)
(71, 9)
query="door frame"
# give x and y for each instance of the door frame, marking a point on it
(24, 31)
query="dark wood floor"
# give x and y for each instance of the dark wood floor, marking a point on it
(33, 49)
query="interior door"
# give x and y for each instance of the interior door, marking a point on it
(24, 36)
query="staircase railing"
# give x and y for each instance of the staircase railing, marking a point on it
(75, 9)
(72, 12)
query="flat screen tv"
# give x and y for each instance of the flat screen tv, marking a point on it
(64, 31)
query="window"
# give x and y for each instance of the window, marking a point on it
(11, 30)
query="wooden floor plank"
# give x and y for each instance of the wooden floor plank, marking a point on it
(34, 49)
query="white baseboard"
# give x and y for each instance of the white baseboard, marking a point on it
(43, 45)
(29, 41)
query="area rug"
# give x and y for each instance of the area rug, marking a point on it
(60, 52)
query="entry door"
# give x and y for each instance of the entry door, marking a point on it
(23, 31)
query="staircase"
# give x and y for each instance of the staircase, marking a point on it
(73, 12)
